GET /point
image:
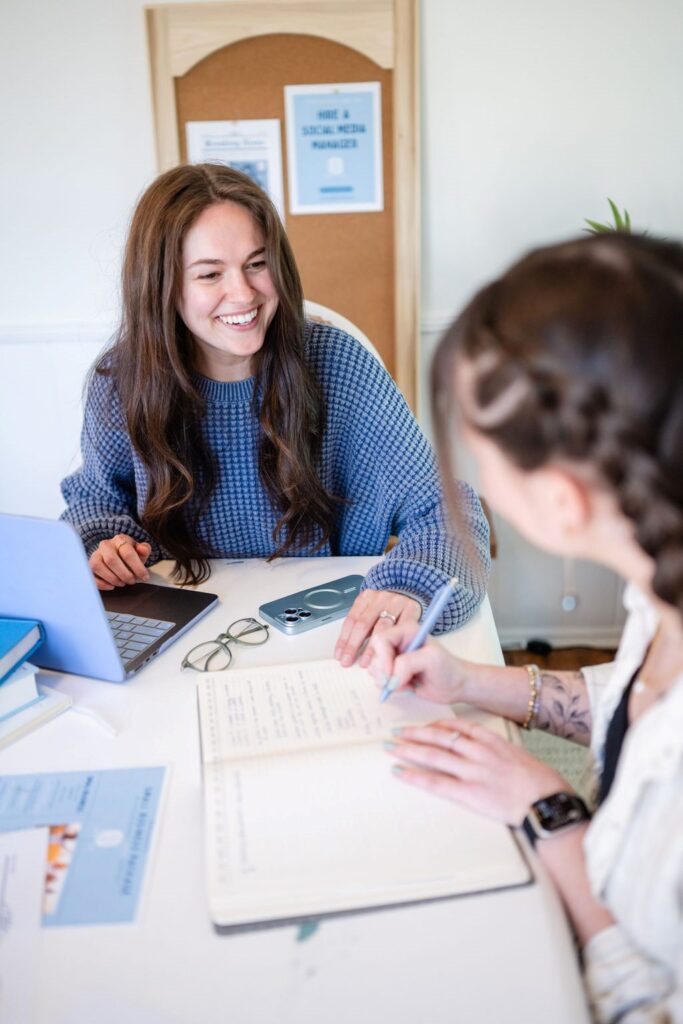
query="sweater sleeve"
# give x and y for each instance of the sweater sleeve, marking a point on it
(394, 476)
(427, 555)
(101, 496)
(624, 987)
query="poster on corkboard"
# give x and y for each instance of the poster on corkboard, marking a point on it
(250, 146)
(334, 148)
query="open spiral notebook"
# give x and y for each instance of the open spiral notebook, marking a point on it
(303, 817)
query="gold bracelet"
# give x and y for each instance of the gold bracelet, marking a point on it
(532, 708)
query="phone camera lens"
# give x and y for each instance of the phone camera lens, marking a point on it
(304, 614)
(291, 611)
(291, 618)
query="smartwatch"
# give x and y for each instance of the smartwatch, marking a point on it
(553, 814)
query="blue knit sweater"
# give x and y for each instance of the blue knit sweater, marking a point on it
(373, 453)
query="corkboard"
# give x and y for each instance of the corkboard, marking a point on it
(346, 260)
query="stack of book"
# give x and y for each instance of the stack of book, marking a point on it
(24, 703)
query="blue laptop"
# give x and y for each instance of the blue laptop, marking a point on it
(45, 575)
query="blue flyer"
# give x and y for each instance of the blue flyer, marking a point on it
(334, 148)
(100, 829)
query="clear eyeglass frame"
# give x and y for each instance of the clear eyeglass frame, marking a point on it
(216, 655)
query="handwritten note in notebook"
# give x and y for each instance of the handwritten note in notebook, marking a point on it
(290, 707)
(303, 816)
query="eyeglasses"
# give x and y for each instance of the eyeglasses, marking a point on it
(216, 656)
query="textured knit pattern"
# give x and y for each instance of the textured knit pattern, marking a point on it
(373, 453)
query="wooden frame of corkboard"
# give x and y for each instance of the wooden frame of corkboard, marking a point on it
(383, 253)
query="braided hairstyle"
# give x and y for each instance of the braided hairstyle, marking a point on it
(577, 353)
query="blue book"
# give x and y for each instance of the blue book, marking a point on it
(19, 638)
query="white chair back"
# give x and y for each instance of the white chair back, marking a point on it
(325, 315)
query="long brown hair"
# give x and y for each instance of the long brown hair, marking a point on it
(151, 363)
(577, 353)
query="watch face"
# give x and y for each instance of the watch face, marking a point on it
(558, 811)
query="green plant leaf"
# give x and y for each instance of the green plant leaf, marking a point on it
(596, 228)
(622, 222)
(618, 222)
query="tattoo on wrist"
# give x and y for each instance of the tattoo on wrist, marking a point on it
(565, 709)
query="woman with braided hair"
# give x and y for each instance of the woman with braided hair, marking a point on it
(565, 376)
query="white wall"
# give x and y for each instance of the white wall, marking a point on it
(77, 150)
(533, 112)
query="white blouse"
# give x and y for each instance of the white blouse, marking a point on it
(634, 845)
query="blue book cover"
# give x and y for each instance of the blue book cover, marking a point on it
(19, 638)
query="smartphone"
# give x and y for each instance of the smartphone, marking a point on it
(296, 613)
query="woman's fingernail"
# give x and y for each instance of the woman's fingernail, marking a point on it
(389, 745)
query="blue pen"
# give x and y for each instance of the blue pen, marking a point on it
(436, 606)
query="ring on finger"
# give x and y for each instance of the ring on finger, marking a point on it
(387, 615)
(453, 739)
(121, 544)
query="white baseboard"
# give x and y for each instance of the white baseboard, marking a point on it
(561, 636)
(91, 332)
(436, 323)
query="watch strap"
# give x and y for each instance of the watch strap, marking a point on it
(531, 833)
(578, 812)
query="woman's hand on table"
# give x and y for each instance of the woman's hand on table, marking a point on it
(473, 766)
(119, 561)
(371, 614)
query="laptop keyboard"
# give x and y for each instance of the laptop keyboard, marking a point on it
(134, 634)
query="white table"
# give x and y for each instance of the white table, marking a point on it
(504, 956)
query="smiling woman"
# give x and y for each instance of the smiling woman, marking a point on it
(221, 423)
(228, 297)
